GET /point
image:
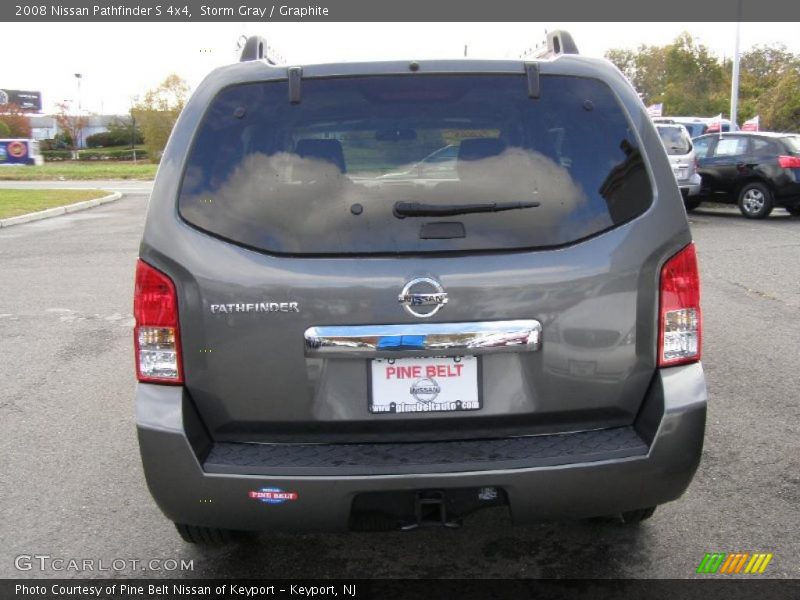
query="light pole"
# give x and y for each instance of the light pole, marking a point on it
(735, 76)
(134, 100)
(79, 141)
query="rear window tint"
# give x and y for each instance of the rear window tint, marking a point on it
(324, 176)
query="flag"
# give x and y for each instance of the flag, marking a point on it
(751, 125)
(655, 110)
(715, 125)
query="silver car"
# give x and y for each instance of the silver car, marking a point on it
(681, 154)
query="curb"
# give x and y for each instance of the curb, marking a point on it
(59, 210)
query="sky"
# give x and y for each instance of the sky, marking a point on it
(119, 61)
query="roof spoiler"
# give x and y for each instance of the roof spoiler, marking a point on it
(255, 48)
(558, 42)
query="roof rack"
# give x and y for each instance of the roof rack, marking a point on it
(255, 48)
(558, 42)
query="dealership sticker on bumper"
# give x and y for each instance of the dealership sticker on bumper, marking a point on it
(408, 385)
(272, 495)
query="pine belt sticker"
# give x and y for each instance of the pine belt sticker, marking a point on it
(272, 495)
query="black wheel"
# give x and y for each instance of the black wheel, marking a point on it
(207, 536)
(794, 211)
(755, 200)
(692, 203)
(637, 516)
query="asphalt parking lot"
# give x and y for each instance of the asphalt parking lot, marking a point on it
(72, 485)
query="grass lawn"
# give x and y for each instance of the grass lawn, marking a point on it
(80, 171)
(20, 202)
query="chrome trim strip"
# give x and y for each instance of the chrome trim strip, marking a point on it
(423, 339)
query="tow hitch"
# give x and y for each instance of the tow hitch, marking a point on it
(408, 510)
(430, 510)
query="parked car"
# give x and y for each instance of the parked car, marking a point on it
(318, 347)
(696, 126)
(681, 154)
(758, 171)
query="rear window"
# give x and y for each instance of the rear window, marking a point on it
(327, 175)
(676, 139)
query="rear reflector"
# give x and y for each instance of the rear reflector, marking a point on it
(156, 335)
(789, 162)
(680, 323)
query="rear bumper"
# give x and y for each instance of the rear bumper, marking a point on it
(197, 482)
(691, 186)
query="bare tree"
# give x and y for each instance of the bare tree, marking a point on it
(71, 124)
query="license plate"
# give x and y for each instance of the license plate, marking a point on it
(680, 174)
(413, 385)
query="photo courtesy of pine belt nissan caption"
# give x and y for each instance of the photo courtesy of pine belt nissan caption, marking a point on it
(385, 295)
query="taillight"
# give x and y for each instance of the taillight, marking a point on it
(789, 162)
(156, 335)
(680, 323)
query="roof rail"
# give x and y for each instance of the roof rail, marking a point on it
(558, 42)
(255, 48)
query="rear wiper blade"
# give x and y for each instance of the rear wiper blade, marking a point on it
(418, 209)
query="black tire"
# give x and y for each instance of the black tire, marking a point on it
(632, 517)
(692, 202)
(206, 536)
(755, 200)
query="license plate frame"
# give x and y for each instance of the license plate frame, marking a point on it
(403, 402)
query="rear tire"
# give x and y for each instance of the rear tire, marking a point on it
(633, 517)
(755, 200)
(207, 536)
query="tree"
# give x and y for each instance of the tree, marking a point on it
(768, 86)
(697, 83)
(689, 80)
(781, 107)
(71, 125)
(118, 133)
(5, 130)
(158, 111)
(683, 75)
(645, 69)
(16, 121)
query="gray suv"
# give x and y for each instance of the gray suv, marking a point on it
(320, 347)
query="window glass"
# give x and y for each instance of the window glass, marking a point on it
(731, 146)
(675, 139)
(701, 147)
(793, 142)
(337, 172)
